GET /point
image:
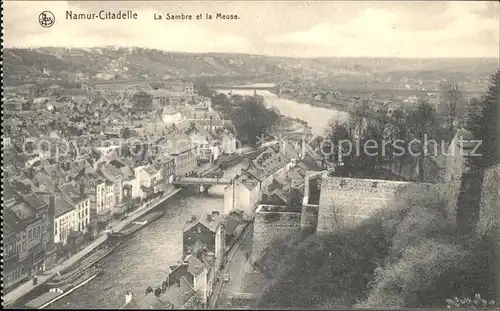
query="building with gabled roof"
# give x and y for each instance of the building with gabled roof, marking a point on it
(184, 152)
(27, 231)
(204, 239)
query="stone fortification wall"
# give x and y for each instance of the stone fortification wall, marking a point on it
(489, 215)
(310, 203)
(270, 223)
(347, 201)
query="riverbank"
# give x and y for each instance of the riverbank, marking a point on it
(313, 102)
(25, 288)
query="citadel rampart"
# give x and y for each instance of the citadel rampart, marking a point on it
(489, 215)
(272, 222)
(347, 201)
(310, 203)
(332, 202)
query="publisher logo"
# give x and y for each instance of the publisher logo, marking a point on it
(46, 19)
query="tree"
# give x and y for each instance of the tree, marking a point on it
(252, 119)
(453, 98)
(422, 125)
(484, 123)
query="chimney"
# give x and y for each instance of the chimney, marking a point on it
(215, 214)
(129, 296)
(193, 218)
(209, 217)
(82, 189)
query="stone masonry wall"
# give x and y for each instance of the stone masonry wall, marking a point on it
(271, 225)
(309, 217)
(347, 201)
(489, 215)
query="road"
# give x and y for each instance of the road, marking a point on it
(236, 271)
(235, 268)
(28, 286)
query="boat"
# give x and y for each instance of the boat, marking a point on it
(74, 272)
(56, 293)
(135, 226)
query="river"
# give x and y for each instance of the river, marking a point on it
(316, 117)
(145, 258)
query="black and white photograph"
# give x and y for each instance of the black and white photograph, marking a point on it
(251, 155)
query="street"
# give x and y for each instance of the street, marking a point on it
(236, 270)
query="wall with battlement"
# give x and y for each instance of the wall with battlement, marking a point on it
(489, 215)
(310, 203)
(347, 201)
(272, 222)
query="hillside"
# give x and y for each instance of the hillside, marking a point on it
(25, 65)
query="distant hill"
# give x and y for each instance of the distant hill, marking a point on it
(23, 65)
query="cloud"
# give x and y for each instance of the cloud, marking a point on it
(188, 36)
(290, 28)
(384, 33)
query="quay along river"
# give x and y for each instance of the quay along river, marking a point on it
(145, 257)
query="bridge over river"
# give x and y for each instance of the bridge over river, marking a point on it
(202, 181)
(255, 87)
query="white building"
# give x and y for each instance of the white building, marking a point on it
(171, 116)
(148, 180)
(228, 142)
(243, 194)
(71, 212)
(108, 196)
(64, 220)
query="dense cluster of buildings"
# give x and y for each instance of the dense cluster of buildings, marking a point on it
(75, 160)
(273, 176)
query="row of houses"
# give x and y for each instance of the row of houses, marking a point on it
(83, 193)
(189, 283)
(276, 175)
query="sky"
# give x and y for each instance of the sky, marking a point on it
(423, 29)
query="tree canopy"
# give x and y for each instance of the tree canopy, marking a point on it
(252, 119)
(483, 121)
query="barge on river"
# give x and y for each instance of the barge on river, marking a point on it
(65, 288)
(135, 226)
(73, 272)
